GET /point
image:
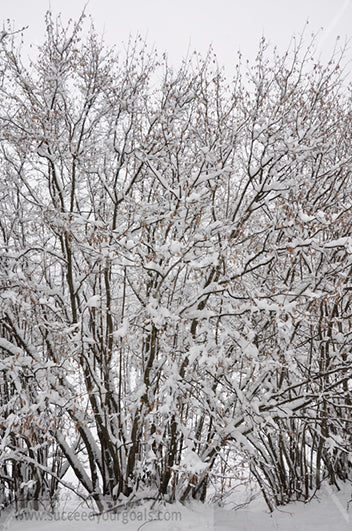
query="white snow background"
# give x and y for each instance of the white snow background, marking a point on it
(329, 510)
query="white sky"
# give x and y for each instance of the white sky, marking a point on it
(178, 25)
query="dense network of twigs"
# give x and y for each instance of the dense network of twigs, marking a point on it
(175, 282)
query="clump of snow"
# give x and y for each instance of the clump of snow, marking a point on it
(94, 301)
(122, 331)
(192, 462)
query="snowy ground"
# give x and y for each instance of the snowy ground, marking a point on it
(328, 511)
